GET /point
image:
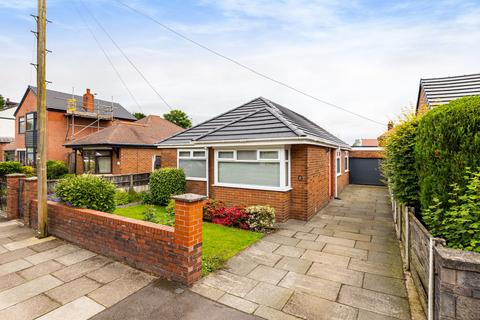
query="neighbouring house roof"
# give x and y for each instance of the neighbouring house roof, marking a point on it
(366, 143)
(259, 119)
(6, 139)
(57, 100)
(142, 133)
(438, 91)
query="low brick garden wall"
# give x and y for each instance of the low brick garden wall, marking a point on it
(456, 285)
(174, 253)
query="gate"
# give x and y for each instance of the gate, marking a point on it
(365, 171)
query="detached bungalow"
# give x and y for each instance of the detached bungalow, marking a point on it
(124, 147)
(262, 153)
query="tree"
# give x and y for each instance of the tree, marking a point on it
(179, 118)
(139, 115)
(2, 102)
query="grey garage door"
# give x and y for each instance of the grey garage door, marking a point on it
(365, 171)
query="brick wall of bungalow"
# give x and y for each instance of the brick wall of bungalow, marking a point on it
(311, 189)
(422, 103)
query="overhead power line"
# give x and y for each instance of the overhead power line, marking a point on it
(125, 55)
(108, 58)
(250, 69)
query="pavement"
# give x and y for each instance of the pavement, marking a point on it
(344, 263)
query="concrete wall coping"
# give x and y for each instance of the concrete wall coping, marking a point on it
(13, 175)
(458, 259)
(31, 179)
(189, 197)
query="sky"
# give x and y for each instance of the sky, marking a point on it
(365, 56)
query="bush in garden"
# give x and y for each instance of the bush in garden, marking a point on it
(458, 220)
(164, 183)
(150, 214)
(8, 167)
(56, 169)
(134, 196)
(448, 141)
(170, 209)
(121, 198)
(232, 217)
(261, 218)
(28, 171)
(211, 206)
(87, 191)
(399, 164)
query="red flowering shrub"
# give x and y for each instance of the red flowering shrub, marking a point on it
(211, 206)
(232, 217)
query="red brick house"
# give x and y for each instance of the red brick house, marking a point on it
(437, 91)
(124, 147)
(262, 153)
(69, 117)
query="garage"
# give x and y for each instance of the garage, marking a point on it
(365, 166)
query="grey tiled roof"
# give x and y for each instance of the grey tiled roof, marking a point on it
(443, 90)
(257, 119)
(6, 139)
(58, 101)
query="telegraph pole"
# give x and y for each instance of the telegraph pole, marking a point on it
(42, 119)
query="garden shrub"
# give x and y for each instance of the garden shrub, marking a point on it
(448, 141)
(399, 164)
(87, 191)
(28, 171)
(8, 167)
(121, 198)
(211, 206)
(458, 220)
(134, 196)
(56, 169)
(261, 218)
(150, 214)
(166, 182)
(232, 217)
(170, 209)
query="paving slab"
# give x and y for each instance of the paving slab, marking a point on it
(335, 240)
(72, 290)
(40, 269)
(312, 245)
(14, 266)
(269, 295)
(289, 251)
(238, 303)
(336, 274)
(81, 309)
(306, 236)
(261, 257)
(9, 281)
(367, 315)
(51, 254)
(311, 285)
(311, 307)
(243, 264)
(82, 268)
(375, 302)
(119, 289)
(386, 285)
(394, 271)
(294, 264)
(75, 257)
(29, 309)
(207, 291)
(109, 272)
(26, 243)
(267, 274)
(230, 283)
(379, 247)
(44, 246)
(352, 236)
(326, 258)
(27, 290)
(346, 251)
(273, 314)
(14, 255)
(275, 238)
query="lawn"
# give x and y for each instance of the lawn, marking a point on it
(219, 243)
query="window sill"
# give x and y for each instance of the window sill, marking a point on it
(347, 171)
(246, 186)
(339, 174)
(196, 179)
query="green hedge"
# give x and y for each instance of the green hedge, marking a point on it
(56, 169)
(164, 183)
(448, 141)
(399, 165)
(8, 167)
(87, 191)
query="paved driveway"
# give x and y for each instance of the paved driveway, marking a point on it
(343, 264)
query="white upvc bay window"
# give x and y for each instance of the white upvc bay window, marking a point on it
(193, 163)
(264, 169)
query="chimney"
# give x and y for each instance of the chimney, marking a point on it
(390, 125)
(88, 103)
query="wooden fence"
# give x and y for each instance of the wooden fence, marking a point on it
(137, 182)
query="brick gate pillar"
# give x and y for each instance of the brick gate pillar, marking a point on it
(30, 192)
(188, 235)
(13, 196)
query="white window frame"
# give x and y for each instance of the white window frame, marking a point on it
(191, 157)
(346, 161)
(285, 181)
(338, 162)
